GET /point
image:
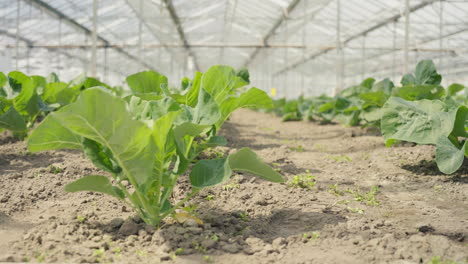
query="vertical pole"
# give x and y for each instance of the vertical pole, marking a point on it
(59, 55)
(94, 39)
(363, 59)
(18, 8)
(140, 32)
(105, 66)
(441, 32)
(339, 51)
(285, 76)
(394, 51)
(407, 36)
(304, 11)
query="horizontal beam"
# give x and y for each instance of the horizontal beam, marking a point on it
(273, 46)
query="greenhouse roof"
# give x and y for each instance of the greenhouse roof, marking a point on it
(299, 46)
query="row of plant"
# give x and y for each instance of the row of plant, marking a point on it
(147, 137)
(23, 98)
(419, 110)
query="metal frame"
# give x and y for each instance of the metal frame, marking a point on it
(56, 13)
(394, 18)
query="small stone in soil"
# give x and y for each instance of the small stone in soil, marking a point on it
(129, 228)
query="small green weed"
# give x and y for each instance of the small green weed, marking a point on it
(355, 210)
(80, 218)
(210, 197)
(368, 197)
(438, 260)
(232, 186)
(244, 216)
(54, 169)
(306, 181)
(333, 189)
(298, 148)
(340, 158)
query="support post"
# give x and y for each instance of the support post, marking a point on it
(339, 51)
(18, 8)
(394, 48)
(94, 39)
(140, 32)
(407, 36)
(441, 31)
(363, 59)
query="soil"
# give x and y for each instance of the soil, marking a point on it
(357, 202)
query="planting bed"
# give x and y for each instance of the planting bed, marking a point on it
(366, 204)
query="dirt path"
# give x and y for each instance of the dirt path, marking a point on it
(368, 204)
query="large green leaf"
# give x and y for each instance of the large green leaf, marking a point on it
(52, 90)
(113, 127)
(27, 101)
(208, 173)
(12, 120)
(221, 81)
(147, 82)
(385, 85)
(254, 97)
(426, 73)
(151, 110)
(207, 111)
(417, 92)
(377, 98)
(422, 122)
(50, 134)
(454, 88)
(246, 160)
(368, 83)
(101, 156)
(16, 80)
(449, 158)
(95, 183)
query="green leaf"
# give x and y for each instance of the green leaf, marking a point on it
(422, 122)
(417, 92)
(385, 85)
(377, 98)
(151, 110)
(27, 101)
(95, 183)
(52, 78)
(101, 157)
(253, 98)
(147, 82)
(3, 80)
(50, 134)
(12, 120)
(207, 111)
(449, 158)
(51, 91)
(16, 80)
(408, 79)
(221, 81)
(113, 127)
(208, 173)
(426, 73)
(368, 83)
(454, 88)
(246, 160)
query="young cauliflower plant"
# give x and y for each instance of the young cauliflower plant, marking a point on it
(150, 139)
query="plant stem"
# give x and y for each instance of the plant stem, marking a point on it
(179, 204)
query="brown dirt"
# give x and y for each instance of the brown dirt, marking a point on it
(417, 214)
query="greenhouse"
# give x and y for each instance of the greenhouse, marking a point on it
(234, 131)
